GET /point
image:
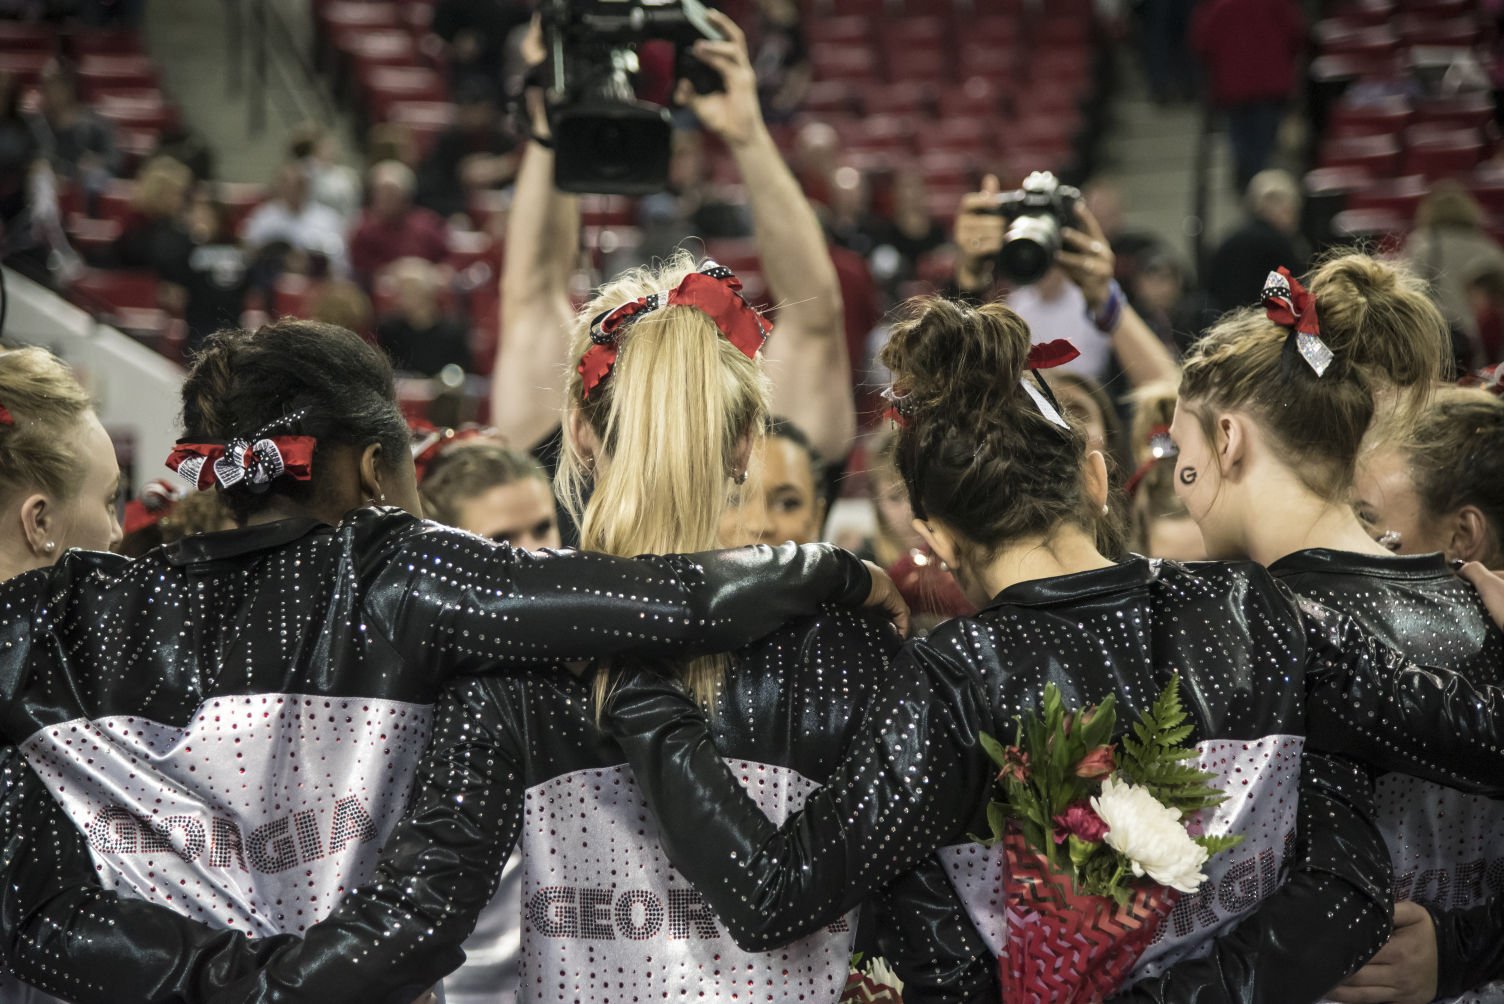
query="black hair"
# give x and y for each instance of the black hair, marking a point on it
(782, 428)
(298, 378)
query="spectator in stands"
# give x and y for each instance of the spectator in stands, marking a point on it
(476, 153)
(847, 214)
(1448, 247)
(59, 481)
(329, 182)
(19, 153)
(817, 154)
(418, 335)
(154, 231)
(393, 227)
(475, 34)
(1250, 50)
(210, 270)
(79, 145)
(1485, 294)
(1156, 287)
(291, 217)
(1265, 241)
(1165, 26)
(392, 141)
(342, 303)
(912, 233)
(781, 60)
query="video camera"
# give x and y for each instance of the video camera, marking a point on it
(606, 140)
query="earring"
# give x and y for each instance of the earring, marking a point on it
(739, 479)
(50, 546)
(1106, 509)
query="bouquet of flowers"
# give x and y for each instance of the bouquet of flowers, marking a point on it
(1099, 840)
(871, 982)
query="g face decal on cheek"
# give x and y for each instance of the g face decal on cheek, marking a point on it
(1187, 475)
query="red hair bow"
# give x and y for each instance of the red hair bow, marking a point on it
(239, 462)
(157, 500)
(5, 416)
(714, 290)
(1048, 355)
(1290, 305)
(429, 441)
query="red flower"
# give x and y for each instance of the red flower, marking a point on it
(1097, 763)
(1016, 765)
(1081, 821)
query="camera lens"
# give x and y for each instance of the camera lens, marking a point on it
(1029, 249)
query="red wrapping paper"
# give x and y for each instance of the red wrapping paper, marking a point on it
(1065, 947)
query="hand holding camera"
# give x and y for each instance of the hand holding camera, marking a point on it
(1087, 258)
(978, 236)
(733, 114)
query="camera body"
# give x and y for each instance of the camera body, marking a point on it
(1036, 212)
(606, 140)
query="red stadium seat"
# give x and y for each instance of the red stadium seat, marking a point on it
(905, 97)
(1345, 40)
(840, 30)
(840, 62)
(947, 170)
(1368, 12)
(381, 47)
(1385, 228)
(1471, 111)
(1387, 117)
(976, 98)
(466, 247)
(1427, 29)
(142, 113)
(107, 72)
(385, 86)
(1378, 155)
(106, 42)
(358, 14)
(25, 67)
(94, 239)
(930, 65)
(1443, 153)
(239, 199)
(827, 96)
(114, 203)
(426, 120)
(26, 36)
(607, 211)
(1396, 195)
(117, 288)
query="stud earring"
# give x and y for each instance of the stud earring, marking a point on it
(50, 546)
(739, 479)
(1106, 509)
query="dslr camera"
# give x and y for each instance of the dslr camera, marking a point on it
(606, 140)
(1035, 214)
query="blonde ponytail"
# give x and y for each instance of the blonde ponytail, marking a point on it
(668, 420)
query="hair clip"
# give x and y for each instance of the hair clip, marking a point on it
(1047, 356)
(1290, 305)
(713, 289)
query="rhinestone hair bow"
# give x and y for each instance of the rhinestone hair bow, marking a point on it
(157, 500)
(251, 462)
(714, 290)
(1290, 305)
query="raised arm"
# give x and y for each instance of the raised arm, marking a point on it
(1337, 895)
(913, 779)
(806, 358)
(1088, 259)
(542, 248)
(465, 605)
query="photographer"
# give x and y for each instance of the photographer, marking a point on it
(806, 357)
(1086, 262)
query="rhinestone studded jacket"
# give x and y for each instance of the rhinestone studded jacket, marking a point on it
(1266, 678)
(227, 729)
(1447, 847)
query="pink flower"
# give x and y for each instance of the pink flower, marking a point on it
(1079, 820)
(1097, 763)
(1016, 765)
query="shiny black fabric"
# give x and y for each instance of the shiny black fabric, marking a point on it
(1253, 663)
(503, 753)
(383, 607)
(1415, 605)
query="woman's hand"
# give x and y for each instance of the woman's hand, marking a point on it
(886, 597)
(734, 114)
(1404, 971)
(1490, 588)
(1087, 258)
(978, 237)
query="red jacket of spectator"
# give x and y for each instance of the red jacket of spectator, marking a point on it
(378, 241)
(1249, 48)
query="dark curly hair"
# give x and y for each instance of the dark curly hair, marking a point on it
(973, 448)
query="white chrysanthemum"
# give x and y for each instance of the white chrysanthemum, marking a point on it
(1150, 835)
